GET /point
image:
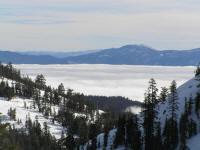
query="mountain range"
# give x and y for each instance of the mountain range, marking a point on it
(125, 55)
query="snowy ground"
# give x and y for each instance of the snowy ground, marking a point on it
(22, 113)
(187, 90)
(110, 80)
(194, 143)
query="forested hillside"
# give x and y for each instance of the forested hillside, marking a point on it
(169, 121)
(81, 119)
(169, 118)
(117, 104)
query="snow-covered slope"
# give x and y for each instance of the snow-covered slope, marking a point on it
(22, 113)
(185, 92)
(25, 109)
(100, 141)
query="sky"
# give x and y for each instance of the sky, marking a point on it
(74, 25)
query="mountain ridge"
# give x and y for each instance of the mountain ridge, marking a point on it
(140, 55)
(125, 55)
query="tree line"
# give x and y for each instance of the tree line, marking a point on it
(86, 125)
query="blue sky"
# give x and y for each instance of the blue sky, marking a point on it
(67, 25)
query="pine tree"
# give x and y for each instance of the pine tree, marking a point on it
(163, 94)
(173, 101)
(40, 81)
(94, 144)
(150, 114)
(171, 129)
(197, 71)
(61, 89)
(120, 134)
(70, 142)
(105, 138)
(133, 139)
(158, 137)
(183, 130)
(197, 104)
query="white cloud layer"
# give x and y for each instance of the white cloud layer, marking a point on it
(94, 24)
(110, 80)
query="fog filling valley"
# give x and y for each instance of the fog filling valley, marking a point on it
(109, 80)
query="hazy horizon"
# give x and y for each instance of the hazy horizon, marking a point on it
(74, 50)
(68, 25)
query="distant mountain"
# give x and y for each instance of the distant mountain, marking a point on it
(139, 55)
(128, 55)
(59, 54)
(17, 58)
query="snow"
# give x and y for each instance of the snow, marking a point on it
(79, 115)
(111, 138)
(22, 113)
(134, 110)
(109, 80)
(110, 141)
(100, 140)
(194, 143)
(101, 112)
(187, 90)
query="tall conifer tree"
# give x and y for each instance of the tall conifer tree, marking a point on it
(150, 114)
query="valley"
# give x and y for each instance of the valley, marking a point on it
(109, 80)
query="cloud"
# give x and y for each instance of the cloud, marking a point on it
(115, 80)
(94, 24)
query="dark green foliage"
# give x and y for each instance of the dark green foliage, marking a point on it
(173, 101)
(184, 147)
(120, 134)
(105, 138)
(40, 81)
(6, 90)
(163, 94)
(190, 106)
(128, 132)
(13, 139)
(170, 134)
(82, 119)
(94, 144)
(36, 139)
(197, 104)
(12, 113)
(4, 139)
(150, 114)
(117, 104)
(197, 71)
(158, 138)
(61, 89)
(69, 142)
(187, 127)
(133, 139)
(86, 126)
